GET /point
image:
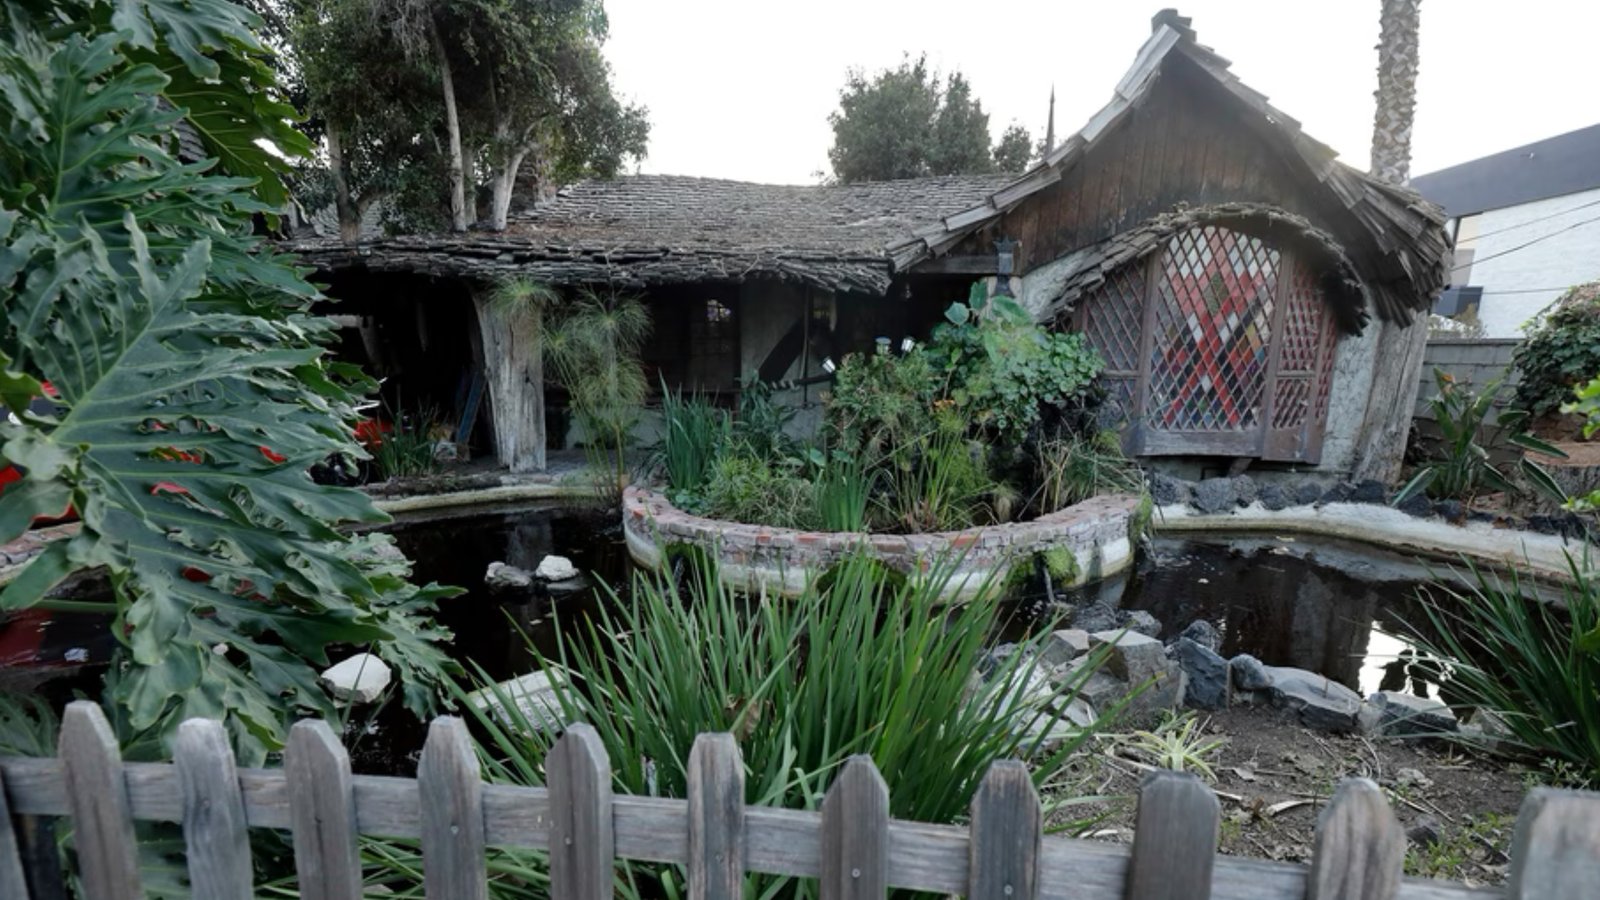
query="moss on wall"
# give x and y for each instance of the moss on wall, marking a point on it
(1139, 522)
(1062, 564)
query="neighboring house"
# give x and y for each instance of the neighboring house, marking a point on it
(1526, 224)
(1228, 267)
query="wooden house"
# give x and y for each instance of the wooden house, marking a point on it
(1233, 273)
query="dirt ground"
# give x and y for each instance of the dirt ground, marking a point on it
(1273, 776)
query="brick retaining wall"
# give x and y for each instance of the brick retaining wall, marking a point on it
(759, 558)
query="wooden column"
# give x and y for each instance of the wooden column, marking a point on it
(513, 361)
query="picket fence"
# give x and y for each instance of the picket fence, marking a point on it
(852, 845)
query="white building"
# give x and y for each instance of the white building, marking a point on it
(1526, 224)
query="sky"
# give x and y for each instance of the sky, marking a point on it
(742, 89)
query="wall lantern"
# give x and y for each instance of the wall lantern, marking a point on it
(1004, 265)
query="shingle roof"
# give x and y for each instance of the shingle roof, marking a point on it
(1554, 167)
(647, 229)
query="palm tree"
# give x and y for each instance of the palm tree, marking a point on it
(1398, 58)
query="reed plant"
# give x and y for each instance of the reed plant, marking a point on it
(1534, 665)
(695, 433)
(844, 488)
(1072, 469)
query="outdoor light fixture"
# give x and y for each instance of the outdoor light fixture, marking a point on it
(883, 344)
(1004, 265)
(907, 344)
(828, 365)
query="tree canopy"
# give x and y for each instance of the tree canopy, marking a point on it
(424, 101)
(912, 121)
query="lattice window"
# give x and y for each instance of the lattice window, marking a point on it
(1306, 336)
(1113, 316)
(1212, 337)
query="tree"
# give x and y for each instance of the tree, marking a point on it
(1014, 150)
(195, 384)
(1400, 344)
(910, 122)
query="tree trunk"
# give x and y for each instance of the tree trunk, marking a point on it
(349, 215)
(513, 360)
(1392, 400)
(502, 183)
(1398, 60)
(452, 121)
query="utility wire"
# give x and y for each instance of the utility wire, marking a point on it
(1478, 237)
(1522, 246)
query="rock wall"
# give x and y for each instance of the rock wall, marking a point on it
(1099, 534)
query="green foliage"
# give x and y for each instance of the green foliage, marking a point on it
(1014, 150)
(844, 488)
(880, 401)
(592, 346)
(747, 488)
(1179, 744)
(696, 432)
(1464, 469)
(1076, 467)
(1002, 371)
(1536, 667)
(910, 122)
(762, 426)
(1061, 564)
(1562, 351)
(861, 666)
(407, 450)
(1586, 404)
(1475, 848)
(195, 382)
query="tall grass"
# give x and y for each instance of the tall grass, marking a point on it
(1073, 469)
(863, 665)
(696, 431)
(937, 485)
(1536, 667)
(844, 487)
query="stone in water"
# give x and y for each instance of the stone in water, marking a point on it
(556, 568)
(360, 679)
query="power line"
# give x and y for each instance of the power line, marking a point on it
(1479, 237)
(1528, 290)
(1522, 246)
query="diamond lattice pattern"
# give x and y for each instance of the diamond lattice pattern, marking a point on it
(1113, 315)
(1306, 341)
(1212, 340)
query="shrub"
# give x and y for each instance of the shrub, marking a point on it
(1464, 468)
(937, 484)
(1073, 469)
(1562, 351)
(745, 488)
(859, 667)
(695, 432)
(762, 426)
(881, 401)
(1535, 667)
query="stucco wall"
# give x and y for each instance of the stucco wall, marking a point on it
(1538, 272)
(1354, 359)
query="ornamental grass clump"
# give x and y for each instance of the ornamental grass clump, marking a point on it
(859, 663)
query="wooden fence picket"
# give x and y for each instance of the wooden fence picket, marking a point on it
(450, 798)
(1361, 849)
(1174, 838)
(13, 880)
(582, 843)
(1007, 828)
(716, 819)
(102, 823)
(1555, 850)
(855, 834)
(322, 813)
(215, 835)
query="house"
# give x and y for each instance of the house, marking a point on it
(1526, 226)
(1233, 273)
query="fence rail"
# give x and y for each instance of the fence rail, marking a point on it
(852, 846)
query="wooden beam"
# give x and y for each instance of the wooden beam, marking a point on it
(973, 264)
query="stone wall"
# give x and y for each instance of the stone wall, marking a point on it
(1099, 534)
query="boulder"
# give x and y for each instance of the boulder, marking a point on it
(1142, 622)
(1207, 675)
(1133, 657)
(1063, 646)
(1274, 497)
(1339, 493)
(1166, 490)
(501, 577)
(556, 568)
(1449, 510)
(1203, 633)
(1323, 704)
(1215, 495)
(994, 656)
(359, 679)
(1244, 490)
(1370, 491)
(1248, 673)
(1307, 493)
(1417, 505)
(1403, 715)
(1102, 691)
(534, 695)
(1095, 617)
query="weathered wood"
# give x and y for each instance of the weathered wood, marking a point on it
(1174, 839)
(450, 795)
(102, 823)
(215, 835)
(1007, 828)
(513, 359)
(1361, 848)
(41, 857)
(716, 819)
(13, 880)
(965, 264)
(1555, 850)
(322, 813)
(855, 834)
(582, 842)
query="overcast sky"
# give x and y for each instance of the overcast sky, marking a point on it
(742, 88)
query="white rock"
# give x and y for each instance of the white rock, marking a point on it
(556, 568)
(501, 576)
(361, 678)
(534, 695)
